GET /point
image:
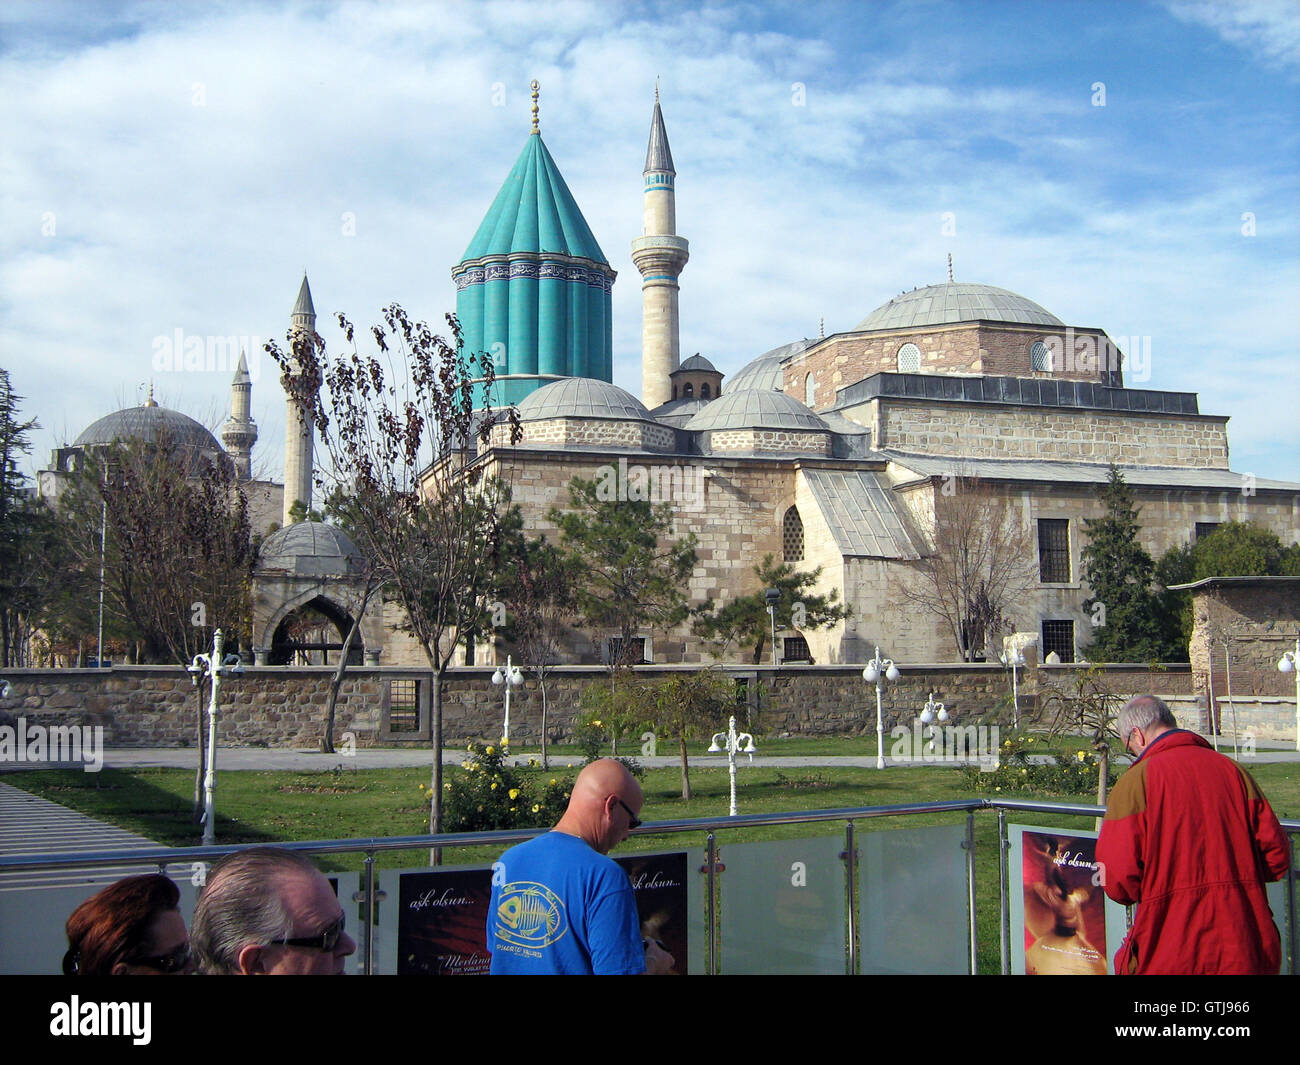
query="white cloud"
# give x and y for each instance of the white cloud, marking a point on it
(1267, 28)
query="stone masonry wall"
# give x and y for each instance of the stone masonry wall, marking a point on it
(996, 432)
(284, 707)
(964, 348)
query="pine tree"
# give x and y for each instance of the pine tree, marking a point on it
(1126, 625)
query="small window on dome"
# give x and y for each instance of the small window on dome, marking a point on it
(704, 391)
(688, 391)
(909, 359)
(809, 390)
(1040, 357)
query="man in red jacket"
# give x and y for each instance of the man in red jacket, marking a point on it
(1189, 836)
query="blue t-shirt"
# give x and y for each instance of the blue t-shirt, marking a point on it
(559, 908)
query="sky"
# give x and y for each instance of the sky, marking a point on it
(168, 171)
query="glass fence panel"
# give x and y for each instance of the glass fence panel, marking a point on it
(913, 908)
(32, 917)
(783, 909)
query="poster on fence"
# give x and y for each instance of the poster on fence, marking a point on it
(442, 914)
(1062, 923)
(442, 917)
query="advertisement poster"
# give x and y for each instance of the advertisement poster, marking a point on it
(659, 881)
(442, 918)
(1061, 921)
(442, 914)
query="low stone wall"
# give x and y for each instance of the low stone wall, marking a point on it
(285, 706)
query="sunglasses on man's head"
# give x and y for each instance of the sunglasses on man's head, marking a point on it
(174, 961)
(633, 820)
(326, 940)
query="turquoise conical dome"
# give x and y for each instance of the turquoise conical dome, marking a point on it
(534, 289)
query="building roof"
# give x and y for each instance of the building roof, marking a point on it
(697, 363)
(657, 156)
(862, 513)
(150, 423)
(582, 397)
(677, 412)
(310, 549)
(303, 304)
(534, 212)
(765, 370)
(1083, 473)
(756, 408)
(956, 302)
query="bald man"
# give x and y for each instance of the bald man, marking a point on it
(559, 906)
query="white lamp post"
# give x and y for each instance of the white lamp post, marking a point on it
(202, 666)
(773, 596)
(1288, 663)
(733, 740)
(931, 713)
(511, 678)
(1014, 659)
(879, 670)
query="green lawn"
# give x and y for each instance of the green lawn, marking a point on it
(271, 807)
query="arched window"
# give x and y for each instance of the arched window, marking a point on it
(809, 390)
(792, 536)
(1040, 357)
(674, 391)
(704, 391)
(688, 391)
(909, 359)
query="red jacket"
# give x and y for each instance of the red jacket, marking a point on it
(1190, 837)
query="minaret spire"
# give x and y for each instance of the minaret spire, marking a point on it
(298, 436)
(239, 433)
(660, 254)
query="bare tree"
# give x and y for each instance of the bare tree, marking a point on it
(404, 445)
(980, 565)
(1087, 705)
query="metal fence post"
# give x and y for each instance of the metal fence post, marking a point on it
(368, 958)
(1004, 903)
(851, 857)
(710, 906)
(970, 890)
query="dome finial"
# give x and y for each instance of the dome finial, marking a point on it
(656, 88)
(149, 400)
(950, 267)
(536, 88)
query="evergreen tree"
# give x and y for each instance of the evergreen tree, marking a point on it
(1126, 625)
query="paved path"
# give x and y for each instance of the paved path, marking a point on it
(235, 758)
(31, 825)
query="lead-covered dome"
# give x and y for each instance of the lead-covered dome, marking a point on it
(582, 397)
(310, 549)
(150, 423)
(756, 408)
(764, 372)
(956, 302)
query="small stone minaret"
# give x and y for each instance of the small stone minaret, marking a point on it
(239, 433)
(297, 423)
(660, 254)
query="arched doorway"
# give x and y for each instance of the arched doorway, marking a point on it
(308, 635)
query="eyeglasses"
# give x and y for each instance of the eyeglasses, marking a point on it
(326, 940)
(174, 961)
(1129, 738)
(633, 820)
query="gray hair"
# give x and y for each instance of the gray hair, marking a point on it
(240, 906)
(1143, 712)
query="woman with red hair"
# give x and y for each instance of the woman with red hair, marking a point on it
(131, 928)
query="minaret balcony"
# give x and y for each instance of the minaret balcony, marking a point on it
(660, 254)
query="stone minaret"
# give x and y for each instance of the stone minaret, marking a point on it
(239, 433)
(297, 423)
(659, 253)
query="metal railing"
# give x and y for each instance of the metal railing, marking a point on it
(163, 857)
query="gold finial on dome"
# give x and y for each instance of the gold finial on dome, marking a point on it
(150, 401)
(535, 87)
(950, 267)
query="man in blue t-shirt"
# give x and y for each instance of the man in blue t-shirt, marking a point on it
(559, 906)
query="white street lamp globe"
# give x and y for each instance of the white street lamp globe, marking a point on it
(926, 716)
(1285, 664)
(943, 714)
(498, 677)
(871, 674)
(892, 672)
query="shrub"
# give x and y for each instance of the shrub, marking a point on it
(1050, 770)
(485, 792)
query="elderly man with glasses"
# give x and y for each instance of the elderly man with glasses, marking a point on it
(269, 912)
(561, 907)
(1190, 838)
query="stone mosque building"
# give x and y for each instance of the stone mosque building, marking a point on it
(826, 452)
